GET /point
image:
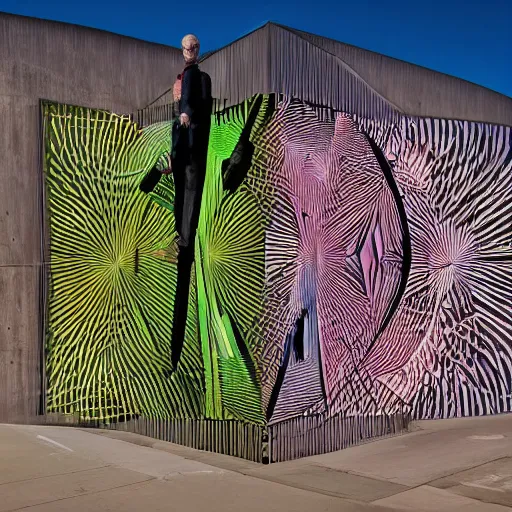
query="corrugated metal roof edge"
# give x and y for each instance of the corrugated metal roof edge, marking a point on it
(411, 64)
(213, 52)
(282, 27)
(349, 68)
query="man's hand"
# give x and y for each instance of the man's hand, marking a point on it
(168, 169)
(184, 120)
(176, 90)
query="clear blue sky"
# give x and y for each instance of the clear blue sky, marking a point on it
(471, 39)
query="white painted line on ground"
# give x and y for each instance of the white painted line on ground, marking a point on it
(195, 472)
(48, 440)
(480, 486)
(174, 474)
(490, 482)
(493, 437)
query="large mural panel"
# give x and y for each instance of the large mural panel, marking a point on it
(109, 329)
(342, 266)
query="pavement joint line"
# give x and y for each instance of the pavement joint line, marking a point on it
(329, 493)
(314, 490)
(241, 472)
(466, 469)
(278, 481)
(194, 455)
(56, 474)
(429, 482)
(147, 480)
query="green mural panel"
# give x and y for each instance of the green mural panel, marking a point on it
(111, 288)
(113, 275)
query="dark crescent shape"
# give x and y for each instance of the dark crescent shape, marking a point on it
(393, 307)
(236, 167)
(406, 241)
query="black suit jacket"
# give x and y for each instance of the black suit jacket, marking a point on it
(197, 104)
(191, 102)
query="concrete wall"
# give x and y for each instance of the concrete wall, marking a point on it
(68, 64)
(87, 67)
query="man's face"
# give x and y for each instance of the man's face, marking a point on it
(190, 50)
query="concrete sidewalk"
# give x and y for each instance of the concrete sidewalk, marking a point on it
(451, 465)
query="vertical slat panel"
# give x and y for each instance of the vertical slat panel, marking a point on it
(314, 435)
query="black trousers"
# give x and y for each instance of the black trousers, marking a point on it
(190, 146)
(189, 153)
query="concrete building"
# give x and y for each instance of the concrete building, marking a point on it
(91, 68)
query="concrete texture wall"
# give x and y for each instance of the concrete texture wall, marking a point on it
(68, 64)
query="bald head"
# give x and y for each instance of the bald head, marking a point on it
(190, 47)
(190, 39)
